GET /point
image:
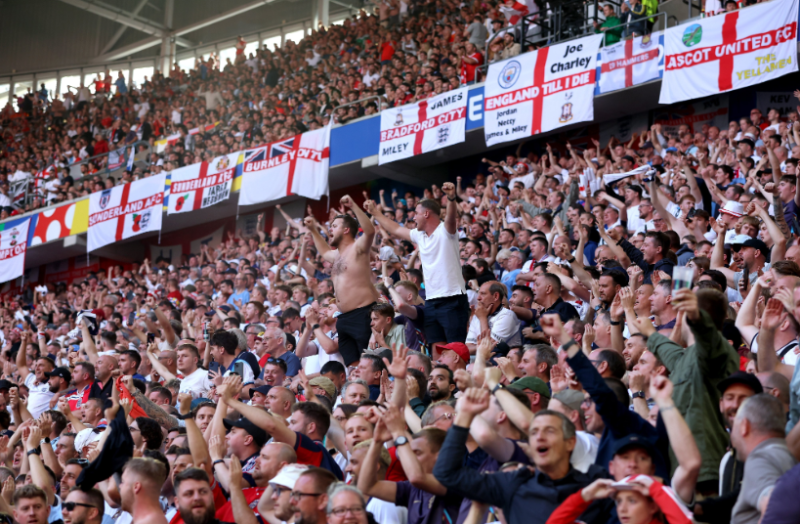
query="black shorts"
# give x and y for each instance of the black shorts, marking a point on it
(446, 319)
(354, 333)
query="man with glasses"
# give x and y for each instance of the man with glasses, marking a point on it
(344, 500)
(83, 507)
(310, 495)
(277, 499)
(275, 340)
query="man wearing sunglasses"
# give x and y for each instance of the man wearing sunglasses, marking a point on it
(83, 507)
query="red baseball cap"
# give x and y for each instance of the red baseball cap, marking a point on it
(459, 348)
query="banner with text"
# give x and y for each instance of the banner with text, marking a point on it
(730, 51)
(295, 166)
(13, 246)
(431, 124)
(202, 185)
(629, 63)
(540, 91)
(125, 211)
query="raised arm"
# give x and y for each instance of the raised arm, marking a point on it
(39, 475)
(242, 512)
(266, 421)
(88, 343)
(163, 321)
(391, 227)
(681, 439)
(364, 241)
(451, 216)
(368, 481)
(323, 248)
(22, 357)
(718, 253)
(746, 319)
(395, 423)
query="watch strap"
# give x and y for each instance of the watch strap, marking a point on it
(497, 387)
(638, 394)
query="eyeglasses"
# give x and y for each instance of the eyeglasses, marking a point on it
(341, 512)
(300, 494)
(446, 416)
(70, 506)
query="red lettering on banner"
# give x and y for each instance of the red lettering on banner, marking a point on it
(730, 46)
(14, 251)
(422, 125)
(628, 61)
(125, 208)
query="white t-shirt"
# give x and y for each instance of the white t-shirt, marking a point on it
(314, 363)
(585, 452)
(441, 262)
(197, 383)
(504, 326)
(386, 512)
(38, 397)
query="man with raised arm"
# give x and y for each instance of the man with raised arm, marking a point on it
(350, 272)
(446, 304)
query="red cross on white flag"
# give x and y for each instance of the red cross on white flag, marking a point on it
(738, 49)
(628, 63)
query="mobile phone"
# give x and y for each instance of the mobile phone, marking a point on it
(746, 277)
(151, 338)
(795, 226)
(131, 318)
(238, 368)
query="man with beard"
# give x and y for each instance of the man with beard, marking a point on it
(310, 496)
(72, 471)
(83, 507)
(350, 271)
(734, 390)
(58, 381)
(140, 489)
(440, 384)
(490, 314)
(194, 497)
(104, 367)
(271, 460)
(635, 345)
(84, 385)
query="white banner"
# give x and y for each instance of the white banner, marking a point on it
(540, 91)
(202, 185)
(431, 124)
(13, 246)
(712, 111)
(629, 63)
(125, 211)
(298, 166)
(730, 51)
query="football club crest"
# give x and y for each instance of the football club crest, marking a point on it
(443, 134)
(566, 113)
(105, 198)
(223, 163)
(509, 74)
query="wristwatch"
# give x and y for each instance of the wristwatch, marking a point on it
(571, 260)
(615, 322)
(399, 441)
(565, 347)
(638, 394)
(315, 327)
(35, 451)
(497, 387)
(214, 464)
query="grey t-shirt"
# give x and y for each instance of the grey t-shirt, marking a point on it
(478, 34)
(764, 466)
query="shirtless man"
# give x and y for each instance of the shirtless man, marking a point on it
(350, 272)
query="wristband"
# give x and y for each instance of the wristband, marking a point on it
(638, 394)
(497, 387)
(571, 261)
(615, 323)
(451, 199)
(569, 344)
(214, 464)
(35, 451)
(315, 327)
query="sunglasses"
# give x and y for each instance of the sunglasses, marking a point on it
(70, 506)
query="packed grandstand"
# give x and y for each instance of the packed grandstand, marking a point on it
(599, 324)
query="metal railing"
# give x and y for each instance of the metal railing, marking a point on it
(356, 102)
(522, 28)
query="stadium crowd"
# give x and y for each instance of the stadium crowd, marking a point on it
(408, 51)
(592, 334)
(604, 335)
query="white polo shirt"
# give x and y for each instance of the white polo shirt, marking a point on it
(441, 262)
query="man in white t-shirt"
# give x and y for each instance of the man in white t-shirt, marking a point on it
(446, 302)
(36, 381)
(194, 379)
